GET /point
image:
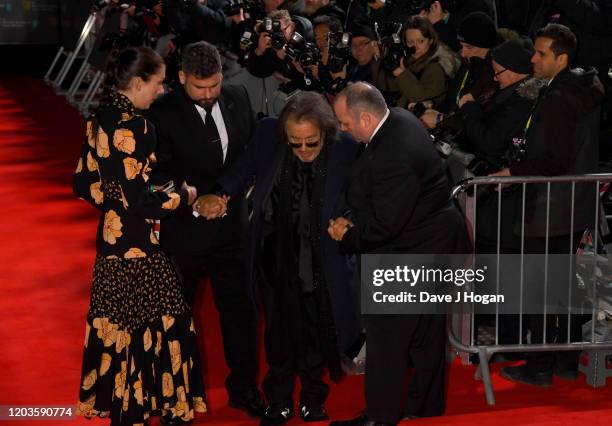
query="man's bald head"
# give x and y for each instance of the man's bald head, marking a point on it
(359, 108)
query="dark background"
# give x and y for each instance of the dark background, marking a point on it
(31, 32)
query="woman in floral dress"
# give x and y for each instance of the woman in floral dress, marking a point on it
(140, 357)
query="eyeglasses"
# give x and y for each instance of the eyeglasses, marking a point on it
(298, 143)
(361, 45)
(499, 73)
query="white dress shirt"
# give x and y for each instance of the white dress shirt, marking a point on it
(379, 125)
(218, 118)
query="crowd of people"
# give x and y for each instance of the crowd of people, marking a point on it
(276, 211)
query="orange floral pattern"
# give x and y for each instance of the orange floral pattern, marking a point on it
(89, 134)
(132, 167)
(136, 300)
(90, 380)
(87, 330)
(158, 344)
(106, 331)
(138, 390)
(167, 385)
(175, 355)
(92, 164)
(96, 194)
(123, 340)
(120, 379)
(102, 148)
(147, 340)
(105, 364)
(168, 322)
(124, 200)
(87, 408)
(173, 202)
(112, 227)
(124, 141)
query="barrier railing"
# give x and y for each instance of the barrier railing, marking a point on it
(589, 275)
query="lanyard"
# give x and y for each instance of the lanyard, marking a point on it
(465, 77)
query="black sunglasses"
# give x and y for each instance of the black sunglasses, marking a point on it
(298, 145)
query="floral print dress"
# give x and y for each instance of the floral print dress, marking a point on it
(140, 357)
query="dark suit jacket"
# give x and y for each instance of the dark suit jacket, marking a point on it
(183, 154)
(260, 163)
(399, 194)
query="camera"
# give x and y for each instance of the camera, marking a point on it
(252, 7)
(339, 50)
(419, 109)
(272, 27)
(392, 47)
(305, 53)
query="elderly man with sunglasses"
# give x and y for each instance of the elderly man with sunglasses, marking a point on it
(310, 290)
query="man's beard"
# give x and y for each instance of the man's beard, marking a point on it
(206, 102)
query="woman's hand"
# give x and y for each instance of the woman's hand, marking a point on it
(399, 70)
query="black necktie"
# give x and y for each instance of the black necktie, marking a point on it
(212, 134)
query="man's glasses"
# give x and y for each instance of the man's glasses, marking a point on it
(360, 46)
(499, 73)
(298, 143)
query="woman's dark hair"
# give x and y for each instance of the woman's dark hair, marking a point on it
(132, 62)
(425, 27)
(309, 106)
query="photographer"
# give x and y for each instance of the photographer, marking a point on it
(335, 53)
(364, 54)
(489, 132)
(446, 16)
(424, 75)
(489, 129)
(477, 35)
(270, 54)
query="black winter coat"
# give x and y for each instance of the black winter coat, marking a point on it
(563, 140)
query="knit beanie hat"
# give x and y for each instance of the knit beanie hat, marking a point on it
(363, 28)
(515, 55)
(478, 29)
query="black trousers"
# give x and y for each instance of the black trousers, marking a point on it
(279, 382)
(235, 302)
(556, 325)
(292, 346)
(393, 340)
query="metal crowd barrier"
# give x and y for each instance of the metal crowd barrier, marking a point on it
(597, 341)
(80, 87)
(70, 56)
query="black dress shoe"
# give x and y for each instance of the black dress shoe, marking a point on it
(522, 374)
(362, 420)
(276, 416)
(566, 373)
(250, 402)
(170, 420)
(313, 413)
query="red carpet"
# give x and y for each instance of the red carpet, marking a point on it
(47, 247)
